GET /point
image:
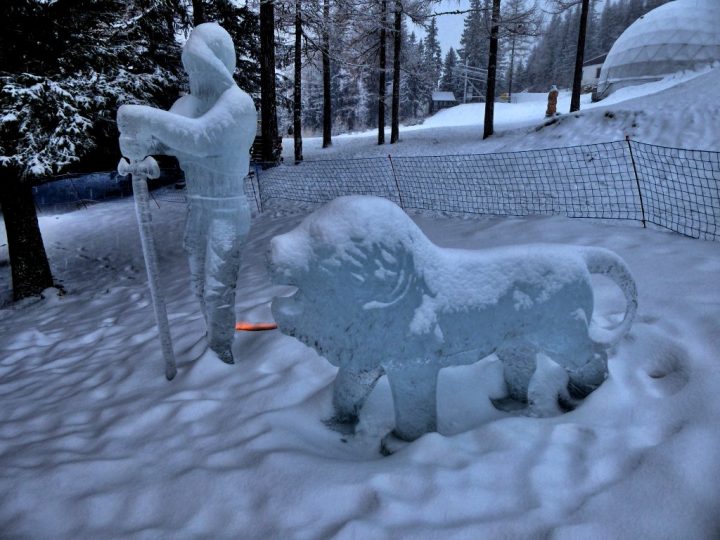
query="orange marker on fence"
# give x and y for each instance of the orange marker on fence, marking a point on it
(255, 327)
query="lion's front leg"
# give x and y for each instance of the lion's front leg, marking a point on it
(414, 391)
(518, 359)
(350, 390)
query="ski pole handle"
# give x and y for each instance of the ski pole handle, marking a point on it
(145, 168)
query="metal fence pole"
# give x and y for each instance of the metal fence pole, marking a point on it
(77, 193)
(637, 181)
(258, 199)
(397, 185)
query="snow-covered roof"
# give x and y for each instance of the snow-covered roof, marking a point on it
(679, 35)
(443, 96)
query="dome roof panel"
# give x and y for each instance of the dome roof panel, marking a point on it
(682, 34)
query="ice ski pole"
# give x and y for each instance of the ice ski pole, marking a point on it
(141, 170)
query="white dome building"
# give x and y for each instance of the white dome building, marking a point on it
(679, 35)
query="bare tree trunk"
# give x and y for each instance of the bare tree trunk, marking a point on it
(268, 113)
(198, 12)
(397, 43)
(512, 67)
(383, 67)
(579, 58)
(327, 98)
(28, 261)
(492, 71)
(297, 87)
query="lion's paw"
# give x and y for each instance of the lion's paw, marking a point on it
(509, 405)
(391, 443)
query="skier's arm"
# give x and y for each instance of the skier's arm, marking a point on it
(204, 136)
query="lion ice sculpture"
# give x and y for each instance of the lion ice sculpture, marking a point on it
(375, 296)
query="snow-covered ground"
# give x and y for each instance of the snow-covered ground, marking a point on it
(95, 443)
(680, 111)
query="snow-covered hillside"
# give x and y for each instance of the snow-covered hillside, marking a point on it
(680, 111)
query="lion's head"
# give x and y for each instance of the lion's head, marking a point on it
(357, 265)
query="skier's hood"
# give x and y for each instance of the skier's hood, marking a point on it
(209, 54)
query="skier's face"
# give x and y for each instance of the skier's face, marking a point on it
(208, 61)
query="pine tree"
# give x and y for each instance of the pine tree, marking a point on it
(450, 80)
(474, 41)
(58, 109)
(414, 94)
(564, 54)
(520, 23)
(635, 10)
(604, 39)
(433, 55)
(424, 89)
(592, 46)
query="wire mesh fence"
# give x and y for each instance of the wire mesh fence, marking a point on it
(680, 189)
(73, 191)
(671, 188)
(582, 181)
(322, 181)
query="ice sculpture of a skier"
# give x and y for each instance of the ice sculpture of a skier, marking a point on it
(210, 131)
(375, 296)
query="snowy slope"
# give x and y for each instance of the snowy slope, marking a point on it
(94, 443)
(684, 115)
(680, 111)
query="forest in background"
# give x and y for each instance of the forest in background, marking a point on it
(541, 52)
(335, 65)
(66, 65)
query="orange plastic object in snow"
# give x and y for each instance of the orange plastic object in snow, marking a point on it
(255, 327)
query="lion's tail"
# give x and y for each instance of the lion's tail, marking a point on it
(605, 262)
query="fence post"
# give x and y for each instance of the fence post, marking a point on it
(258, 196)
(397, 185)
(77, 193)
(637, 181)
